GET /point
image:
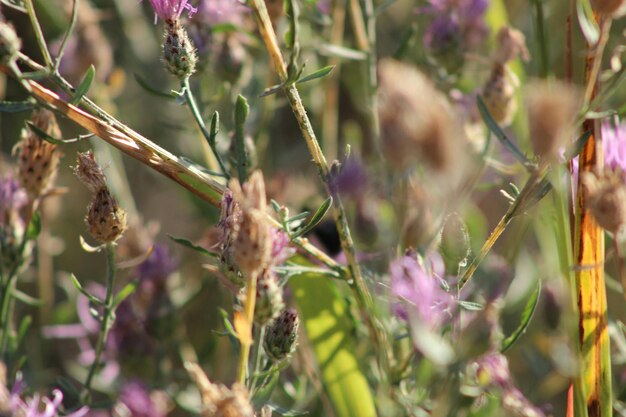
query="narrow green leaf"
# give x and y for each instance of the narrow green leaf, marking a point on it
(146, 86)
(14, 4)
(84, 292)
(15, 106)
(34, 227)
(527, 315)
(285, 411)
(586, 21)
(577, 146)
(27, 299)
(317, 217)
(298, 217)
(124, 293)
(241, 114)
(45, 136)
(342, 52)
(215, 128)
(325, 317)
(88, 248)
(498, 132)
(471, 306)
(322, 72)
(188, 244)
(23, 328)
(84, 86)
(271, 90)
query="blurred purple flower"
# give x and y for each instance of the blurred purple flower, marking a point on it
(136, 397)
(281, 251)
(12, 198)
(31, 407)
(159, 265)
(457, 24)
(169, 10)
(614, 141)
(419, 284)
(215, 12)
(348, 179)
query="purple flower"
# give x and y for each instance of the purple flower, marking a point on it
(31, 407)
(614, 141)
(457, 24)
(215, 12)
(281, 251)
(170, 10)
(136, 397)
(418, 286)
(349, 179)
(12, 198)
(159, 265)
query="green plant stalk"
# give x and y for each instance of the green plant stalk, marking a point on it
(106, 324)
(193, 106)
(260, 336)
(542, 40)
(41, 41)
(67, 35)
(361, 292)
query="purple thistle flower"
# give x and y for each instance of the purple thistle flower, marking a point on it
(349, 179)
(136, 397)
(419, 285)
(281, 251)
(614, 141)
(12, 198)
(31, 407)
(159, 265)
(170, 10)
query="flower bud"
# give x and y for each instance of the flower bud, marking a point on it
(10, 44)
(551, 109)
(179, 53)
(105, 219)
(606, 195)
(89, 172)
(282, 335)
(499, 95)
(39, 159)
(269, 298)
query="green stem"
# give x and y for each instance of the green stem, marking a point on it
(5, 302)
(193, 106)
(106, 324)
(359, 287)
(260, 335)
(542, 41)
(41, 41)
(67, 35)
(245, 339)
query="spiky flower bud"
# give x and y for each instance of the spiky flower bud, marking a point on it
(89, 172)
(179, 53)
(217, 399)
(551, 109)
(269, 298)
(39, 159)
(10, 44)
(282, 335)
(105, 219)
(606, 195)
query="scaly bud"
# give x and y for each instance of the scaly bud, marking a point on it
(89, 172)
(606, 194)
(39, 159)
(282, 335)
(179, 53)
(269, 298)
(105, 219)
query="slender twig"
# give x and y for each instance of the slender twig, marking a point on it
(260, 335)
(246, 339)
(41, 41)
(542, 40)
(106, 323)
(596, 61)
(67, 35)
(619, 260)
(191, 102)
(362, 294)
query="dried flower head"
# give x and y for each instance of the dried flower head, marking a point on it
(551, 109)
(39, 159)
(282, 335)
(415, 118)
(217, 399)
(269, 298)
(511, 45)
(606, 194)
(10, 44)
(89, 172)
(105, 219)
(249, 242)
(179, 53)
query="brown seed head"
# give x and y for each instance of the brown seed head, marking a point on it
(606, 196)
(551, 108)
(105, 219)
(415, 118)
(499, 94)
(217, 399)
(39, 159)
(511, 44)
(89, 172)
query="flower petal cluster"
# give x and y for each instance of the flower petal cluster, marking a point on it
(614, 140)
(170, 10)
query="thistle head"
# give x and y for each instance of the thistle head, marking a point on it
(89, 172)
(179, 54)
(105, 220)
(606, 195)
(282, 335)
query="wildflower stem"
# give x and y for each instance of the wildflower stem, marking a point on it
(359, 287)
(106, 323)
(596, 62)
(67, 35)
(41, 41)
(246, 339)
(191, 102)
(542, 41)
(621, 266)
(260, 335)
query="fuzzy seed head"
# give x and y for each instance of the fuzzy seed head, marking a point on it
(551, 109)
(606, 195)
(39, 159)
(499, 95)
(89, 172)
(511, 45)
(282, 335)
(105, 219)
(10, 44)
(179, 53)
(415, 118)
